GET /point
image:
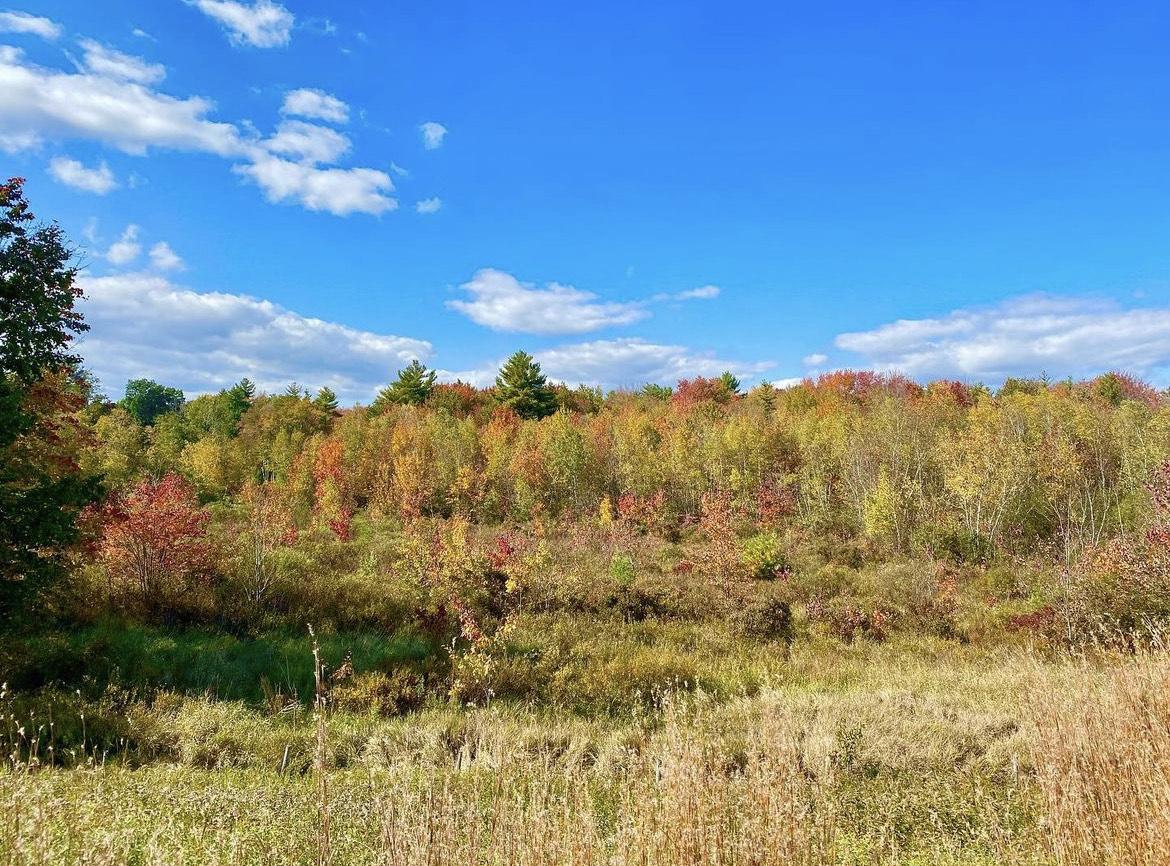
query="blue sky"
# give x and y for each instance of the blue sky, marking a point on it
(629, 191)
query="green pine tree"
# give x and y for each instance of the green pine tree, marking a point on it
(326, 400)
(730, 383)
(521, 386)
(411, 388)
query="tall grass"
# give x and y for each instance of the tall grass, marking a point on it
(1103, 762)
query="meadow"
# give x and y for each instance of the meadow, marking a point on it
(854, 620)
(604, 725)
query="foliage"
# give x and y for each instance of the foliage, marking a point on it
(152, 544)
(521, 387)
(147, 400)
(412, 387)
(41, 486)
(765, 558)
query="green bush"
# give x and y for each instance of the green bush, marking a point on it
(765, 558)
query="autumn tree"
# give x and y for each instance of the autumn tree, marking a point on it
(41, 487)
(268, 524)
(153, 544)
(522, 387)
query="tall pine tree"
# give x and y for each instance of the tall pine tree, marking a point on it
(411, 388)
(521, 386)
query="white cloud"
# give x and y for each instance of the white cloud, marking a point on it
(429, 205)
(105, 107)
(163, 258)
(623, 363)
(126, 248)
(501, 302)
(110, 63)
(145, 325)
(308, 142)
(24, 22)
(399, 170)
(339, 191)
(1022, 336)
(263, 24)
(432, 134)
(704, 293)
(72, 173)
(815, 359)
(36, 102)
(316, 104)
(701, 293)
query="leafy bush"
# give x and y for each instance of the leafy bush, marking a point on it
(765, 558)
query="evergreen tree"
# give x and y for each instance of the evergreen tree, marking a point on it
(40, 391)
(239, 400)
(326, 400)
(521, 386)
(146, 400)
(730, 383)
(412, 387)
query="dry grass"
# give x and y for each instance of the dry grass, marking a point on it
(868, 756)
(1103, 762)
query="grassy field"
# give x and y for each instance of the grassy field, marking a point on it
(916, 750)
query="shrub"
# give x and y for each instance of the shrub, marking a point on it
(765, 558)
(767, 616)
(959, 546)
(384, 694)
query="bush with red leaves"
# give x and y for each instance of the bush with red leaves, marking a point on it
(153, 543)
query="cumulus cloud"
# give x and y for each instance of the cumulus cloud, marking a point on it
(36, 102)
(432, 134)
(145, 325)
(308, 142)
(126, 248)
(339, 191)
(105, 61)
(262, 24)
(315, 104)
(501, 302)
(429, 205)
(815, 359)
(99, 180)
(110, 104)
(1022, 336)
(25, 22)
(163, 258)
(623, 363)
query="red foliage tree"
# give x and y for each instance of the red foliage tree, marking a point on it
(860, 385)
(697, 391)
(153, 540)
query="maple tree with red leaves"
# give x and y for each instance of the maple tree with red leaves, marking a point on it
(153, 541)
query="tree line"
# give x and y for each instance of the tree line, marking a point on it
(944, 469)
